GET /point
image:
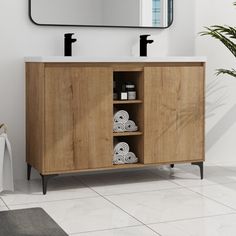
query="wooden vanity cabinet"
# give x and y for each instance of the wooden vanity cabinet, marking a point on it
(69, 115)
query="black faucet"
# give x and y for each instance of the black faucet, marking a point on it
(68, 40)
(143, 44)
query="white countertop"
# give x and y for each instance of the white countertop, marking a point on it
(113, 59)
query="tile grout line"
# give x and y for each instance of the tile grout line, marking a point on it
(192, 218)
(50, 201)
(184, 171)
(102, 230)
(146, 191)
(213, 184)
(189, 188)
(180, 187)
(86, 197)
(212, 199)
(122, 209)
(183, 186)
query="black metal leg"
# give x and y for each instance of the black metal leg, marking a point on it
(45, 179)
(200, 164)
(28, 171)
(172, 165)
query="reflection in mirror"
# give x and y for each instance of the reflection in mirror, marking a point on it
(120, 13)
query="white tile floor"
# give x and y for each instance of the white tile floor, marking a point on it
(148, 202)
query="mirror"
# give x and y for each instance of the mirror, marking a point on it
(111, 13)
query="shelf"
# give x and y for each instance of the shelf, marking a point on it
(127, 101)
(136, 165)
(121, 134)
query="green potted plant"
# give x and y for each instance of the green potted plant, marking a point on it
(227, 36)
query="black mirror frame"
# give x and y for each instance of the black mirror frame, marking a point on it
(106, 26)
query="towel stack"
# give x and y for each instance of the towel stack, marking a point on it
(122, 155)
(6, 172)
(122, 122)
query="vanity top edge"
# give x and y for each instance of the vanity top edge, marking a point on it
(61, 59)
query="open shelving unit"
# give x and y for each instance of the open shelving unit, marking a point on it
(135, 110)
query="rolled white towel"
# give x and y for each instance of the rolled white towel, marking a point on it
(118, 160)
(121, 116)
(131, 126)
(121, 148)
(130, 158)
(118, 127)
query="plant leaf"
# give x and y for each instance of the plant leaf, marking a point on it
(218, 32)
(226, 35)
(224, 71)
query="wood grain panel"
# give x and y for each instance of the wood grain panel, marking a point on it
(124, 66)
(190, 116)
(78, 118)
(59, 120)
(35, 115)
(100, 116)
(174, 114)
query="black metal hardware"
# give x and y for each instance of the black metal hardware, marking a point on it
(143, 44)
(34, 21)
(45, 179)
(68, 40)
(200, 164)
(29, 167)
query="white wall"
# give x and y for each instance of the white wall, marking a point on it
(184, 23)
(221, 100)
(19, 38)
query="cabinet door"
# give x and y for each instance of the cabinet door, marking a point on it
(78, 118)
(174, 114)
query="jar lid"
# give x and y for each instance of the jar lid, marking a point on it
(130, 86)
